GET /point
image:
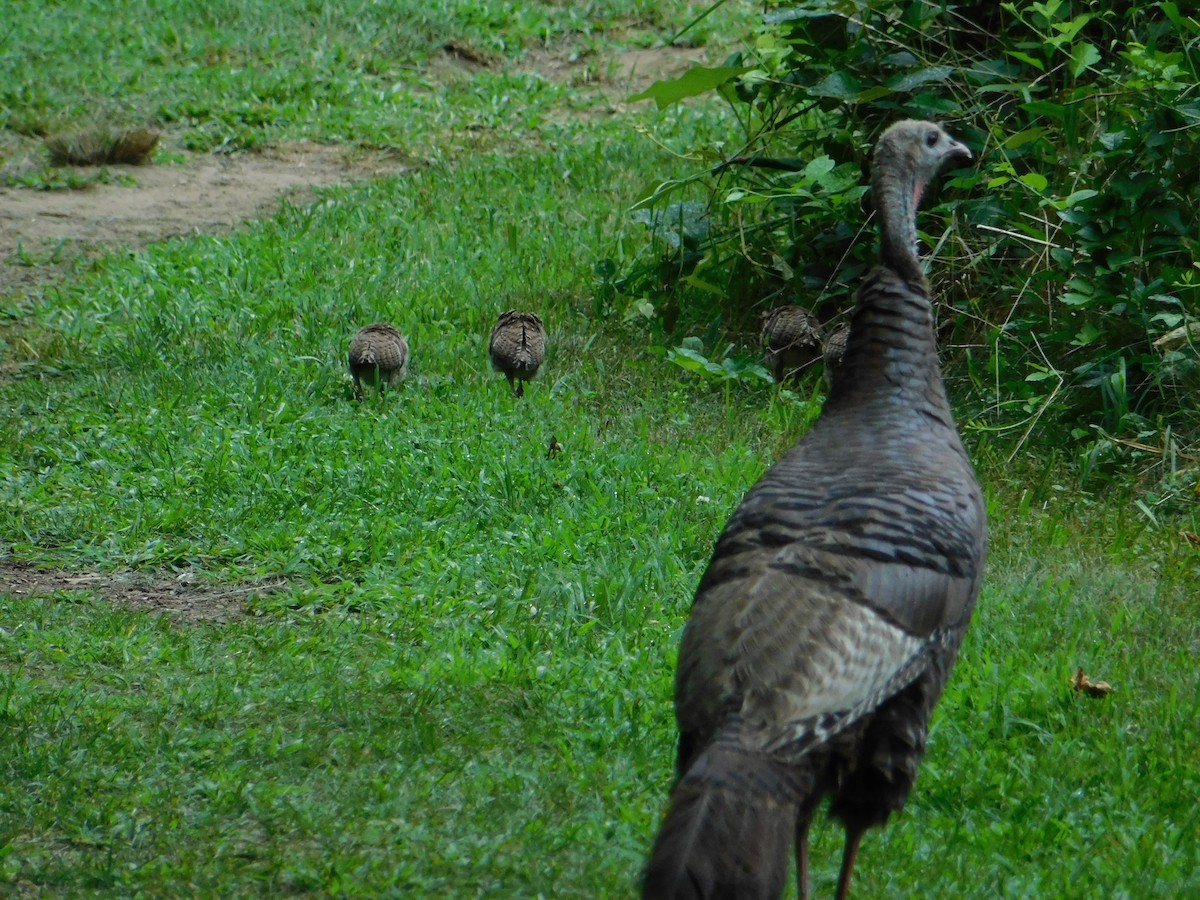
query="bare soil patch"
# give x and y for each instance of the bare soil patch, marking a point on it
(213, 193)
(185, 600)
(208, 194)
(635, 70)
(615, 78)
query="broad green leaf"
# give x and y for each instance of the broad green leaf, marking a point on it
(819, 167)
(791, 14)
(640, 307)
(694, 361)
(1068, 30)
(655, 190)
(1079, 196)
(1086, 335)
(839, 85)
(1026, 58)
(1021, 138)
(871, 94)
(695, 81)
(685, 362)
(911, 80)
(1035, 180)
(677, 223)
(1003, 87)
(1189, 111)
(1083, 55)
(1182, 25)
(1166, 299)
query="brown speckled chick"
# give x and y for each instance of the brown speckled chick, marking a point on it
(517, 347)
(792, 338)
(378, 356)
(835, 350)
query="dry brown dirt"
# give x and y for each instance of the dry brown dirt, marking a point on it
(212, 193)
(183, 598)
(209, 193)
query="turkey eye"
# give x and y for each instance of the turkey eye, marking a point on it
(931, 138)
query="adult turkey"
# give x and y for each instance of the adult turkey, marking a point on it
(378, 356)
(517, 347)
(825, 627)
(792, 337)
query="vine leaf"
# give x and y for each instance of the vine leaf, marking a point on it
(695, 81)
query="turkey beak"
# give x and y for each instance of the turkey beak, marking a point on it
(956, 150)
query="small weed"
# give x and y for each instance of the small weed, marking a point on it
(61, 179)
(689, 357)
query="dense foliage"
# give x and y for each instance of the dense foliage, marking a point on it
(1069, 275)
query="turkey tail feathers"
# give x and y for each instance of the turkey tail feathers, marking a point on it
(728, 831)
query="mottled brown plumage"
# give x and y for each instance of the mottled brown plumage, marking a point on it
(517, 347)
(378, 356)
(835, 351)
(825, 627)
(791, 336)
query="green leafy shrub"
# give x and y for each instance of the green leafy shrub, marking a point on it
(1069, 277)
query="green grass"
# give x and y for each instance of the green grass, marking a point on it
(465, 690)
(243, 73)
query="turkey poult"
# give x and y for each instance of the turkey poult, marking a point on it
(825, 627)
(792, 338)
(517, 347)
(378, 356)
(835, 351)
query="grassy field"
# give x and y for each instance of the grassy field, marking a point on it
(464, 688)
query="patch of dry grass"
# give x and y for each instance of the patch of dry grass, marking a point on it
(100, 145)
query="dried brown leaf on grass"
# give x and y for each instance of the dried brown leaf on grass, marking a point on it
(1082, 684)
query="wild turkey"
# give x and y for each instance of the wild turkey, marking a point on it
(825, 627)
(517, 347)
(378, 356)
(792, 338)
(835, 351)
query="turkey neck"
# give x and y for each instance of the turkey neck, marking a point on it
(898, 189)
(892, 352)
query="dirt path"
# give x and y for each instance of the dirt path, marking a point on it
(185, 599)
(208, 194)
(212, 193)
